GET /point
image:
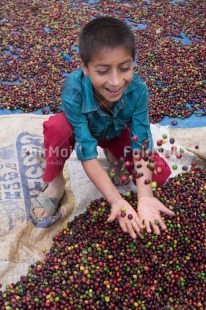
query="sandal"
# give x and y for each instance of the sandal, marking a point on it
(51, 207)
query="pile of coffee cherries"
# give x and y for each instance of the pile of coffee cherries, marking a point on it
(39, 48)
(92, 264)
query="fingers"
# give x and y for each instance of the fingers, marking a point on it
(132, 227)
(167, 211)
(136, 227)
(147, 226)
(123, 226)
(156, 228)
(156, 223)
(162, 224)
(131, 230)
(139, 222)
(112, 217)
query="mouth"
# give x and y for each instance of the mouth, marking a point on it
(114, 91)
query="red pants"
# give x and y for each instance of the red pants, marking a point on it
(59, 143)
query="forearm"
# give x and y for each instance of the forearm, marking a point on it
(143, 182)
(101, 180)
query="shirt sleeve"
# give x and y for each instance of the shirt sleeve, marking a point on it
(85, 143)
(140, 125)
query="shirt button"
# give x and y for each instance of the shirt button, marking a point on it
(77, 143)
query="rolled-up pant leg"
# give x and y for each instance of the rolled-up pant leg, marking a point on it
(120, 148)
(58, 145)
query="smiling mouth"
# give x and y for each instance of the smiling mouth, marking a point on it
(114, 90)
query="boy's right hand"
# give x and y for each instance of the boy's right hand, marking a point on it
(133, 225)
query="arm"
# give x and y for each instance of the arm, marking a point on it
(72, 98)
(104, 184)
(149, 207)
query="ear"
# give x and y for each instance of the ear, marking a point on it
(84, 68)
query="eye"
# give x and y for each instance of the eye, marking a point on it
(102, 72)
(125, 69)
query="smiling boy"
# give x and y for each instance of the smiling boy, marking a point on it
(104, 103)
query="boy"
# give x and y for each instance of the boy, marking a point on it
(104, 104)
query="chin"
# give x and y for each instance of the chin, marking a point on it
(113, 98)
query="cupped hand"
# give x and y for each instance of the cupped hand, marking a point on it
(133, 225)
(149, 209)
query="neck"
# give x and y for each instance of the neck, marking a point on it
(105, 105)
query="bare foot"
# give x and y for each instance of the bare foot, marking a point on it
(55, 189)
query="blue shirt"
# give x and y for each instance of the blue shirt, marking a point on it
(91, 124)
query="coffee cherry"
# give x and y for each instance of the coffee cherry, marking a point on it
(159, 142)
(123, 209)
(151, 166)
(154, 184)
(123, 214)
(174, 123)
(128, 194)
(174, 167)
(179, 155)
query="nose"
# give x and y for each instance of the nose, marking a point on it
(114, 79)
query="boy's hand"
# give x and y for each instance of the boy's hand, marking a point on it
(127, 225)
(149, 209)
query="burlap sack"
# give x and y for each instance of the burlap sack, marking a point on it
(193, 139)
(21, 169)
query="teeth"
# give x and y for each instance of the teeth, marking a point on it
(114, 90)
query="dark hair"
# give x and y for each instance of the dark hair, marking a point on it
(105, 32)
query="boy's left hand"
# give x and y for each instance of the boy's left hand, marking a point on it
(149, 209)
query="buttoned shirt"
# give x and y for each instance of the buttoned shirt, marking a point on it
(90, 123)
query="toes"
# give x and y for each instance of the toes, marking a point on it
(39, 212)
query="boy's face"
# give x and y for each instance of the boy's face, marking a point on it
(110, 72)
